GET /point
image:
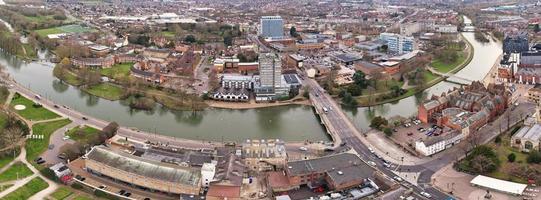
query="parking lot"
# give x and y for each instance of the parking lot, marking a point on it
(410, 132)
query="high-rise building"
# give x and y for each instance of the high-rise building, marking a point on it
(270, 85)
(398, 44)
(270, 70)
(272, 26)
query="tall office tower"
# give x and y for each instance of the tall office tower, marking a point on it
(270, 70)
(271, 26)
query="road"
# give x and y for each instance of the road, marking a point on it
(343, 130)
(80, 118)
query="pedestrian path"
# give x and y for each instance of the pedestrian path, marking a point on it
(19, 183)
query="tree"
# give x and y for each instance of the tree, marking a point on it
(498, 140)
(72, 151)
(482, 159)
(388, 131)
(293, 32)
(359, 79)
(536, 28)
(534, 157)
(228, 40)
(396, 90)
(482, 164)
(354, 90)
(511, 157)
(348, 100)
(378, 122)
(190, 39)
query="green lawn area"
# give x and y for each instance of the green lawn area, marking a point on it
(61, 193)
(117, 71)
(26, 191)
(35, 147)
(39, 18)
(446, 67)
(384, 85)
(168, 34)
(5, 187)
(48, 31)
(429, 76)
(73, 28)
(17, 170)
(69, 77)
(30, 52)
(88, 133)
(106, 91)
(31, 112)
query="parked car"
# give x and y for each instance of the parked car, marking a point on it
(371, 163)
(371, 150)
(102, 187)
(397, 178)
(62, 156)
(56, 106)
(127, 194)
(84, 118)
(122, 192)
(40, 162)
(303, 148)
(425, 194)
(410, 134)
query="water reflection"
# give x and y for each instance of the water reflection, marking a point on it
(59, 86)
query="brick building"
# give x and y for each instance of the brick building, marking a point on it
(469, 107)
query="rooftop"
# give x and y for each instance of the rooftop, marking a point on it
(136, 165)
(322, 164)
(530, 133)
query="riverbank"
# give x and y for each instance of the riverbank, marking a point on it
(416, 90)
(252, 104)
(139, 94)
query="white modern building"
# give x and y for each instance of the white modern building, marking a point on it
(398, 44)
(237, 81)
(436, 144)
(271, 27)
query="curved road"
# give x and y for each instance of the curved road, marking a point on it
(79, 118)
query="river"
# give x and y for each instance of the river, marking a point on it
(290, 123)
(483, 59)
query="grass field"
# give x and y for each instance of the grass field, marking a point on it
(39, 18)
(447, 67)
(17, 170)
(106, 91)
(7, 159)
(69, 77)
(88, 132)
(63, 29)
(32, 112)
(429, 76)
(117, 71)
(5, 187)
(168, 34)
(61, 193)
(35, 147)
(29, 189)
